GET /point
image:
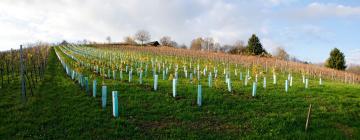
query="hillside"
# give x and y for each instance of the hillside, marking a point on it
(64, 107)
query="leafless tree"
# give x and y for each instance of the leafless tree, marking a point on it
(281, 53)
(165, 41)
(196, 44)
(238, 48)
(225, 48)
(208, 44)
(129, 40)
(217, 47)
(108, 39)
(142, 36)
(239, 44)
(85, 41)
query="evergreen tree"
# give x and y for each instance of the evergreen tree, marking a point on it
(255, 47)
(336, 60)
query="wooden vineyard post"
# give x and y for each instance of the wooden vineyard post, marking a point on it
(23, 86)
(115, 104)
(308, 119)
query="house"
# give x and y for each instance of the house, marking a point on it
(154, 43)
(64, 43)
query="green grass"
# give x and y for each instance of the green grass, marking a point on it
(60, 109)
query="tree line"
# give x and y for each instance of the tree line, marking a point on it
(254, 46)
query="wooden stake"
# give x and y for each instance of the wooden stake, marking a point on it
(23, 88)
(308, 119)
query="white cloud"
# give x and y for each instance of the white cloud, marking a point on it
(225, 21)
(307, 33)
(353, 57)
(270, 45)
(55, 20)
(329, 10)
(279, 2)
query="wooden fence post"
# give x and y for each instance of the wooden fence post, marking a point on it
(23, 86)
(308, 118)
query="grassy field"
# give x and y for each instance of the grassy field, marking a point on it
(60, 109)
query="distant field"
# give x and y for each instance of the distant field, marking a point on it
(62, 108)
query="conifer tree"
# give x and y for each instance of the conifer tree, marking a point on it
(336, 60)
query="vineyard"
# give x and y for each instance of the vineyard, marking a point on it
(126, 92)
(34, 62)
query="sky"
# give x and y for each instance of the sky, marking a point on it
(307, 29)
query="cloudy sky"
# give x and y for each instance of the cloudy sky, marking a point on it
(306, 29)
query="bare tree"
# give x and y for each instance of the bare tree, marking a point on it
(173, 44)
(142, 36)
(85, 41)
(239, 44)
(281, 53)
(108, 39)
(225, 48)
(238, 48)
(217, 47)
(208, 44)
(165, 41)
(129, 40)
(196, 44)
